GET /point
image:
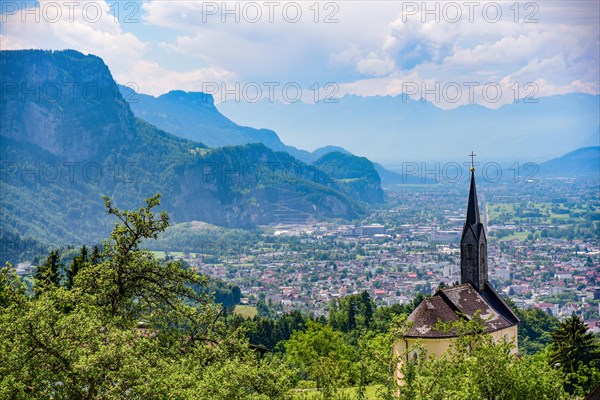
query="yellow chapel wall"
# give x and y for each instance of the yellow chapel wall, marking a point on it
(437, 347)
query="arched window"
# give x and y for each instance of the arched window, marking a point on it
(482, 255)
(414, 357)
(470, 252)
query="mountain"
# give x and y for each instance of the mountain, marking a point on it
(59, 108)
(67, 137)
(14, 248)
(356, 174)
(584, 161)
(321, 151)
(389, 177)
(193, 115)
(393, 130)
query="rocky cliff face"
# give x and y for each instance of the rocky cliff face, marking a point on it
(61, 153)
(64, 102)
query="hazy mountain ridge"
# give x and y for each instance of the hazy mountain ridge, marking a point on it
(321, 151)
(391, 130)
(112, 153)
(583, 161)
(193, 115)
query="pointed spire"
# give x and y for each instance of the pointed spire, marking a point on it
(473, 206)
(473, 243)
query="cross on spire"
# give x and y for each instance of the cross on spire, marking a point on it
(472, 155)
(473, 243)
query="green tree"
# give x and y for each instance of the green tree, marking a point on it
(12, 290)
(78, 263)
(367, 305)
(354, 312)
(321, 354)
(96, 256)
(535, 329)
(475, 367)
(576, 352)
(130, 327)
(130, 281)
(49, 272)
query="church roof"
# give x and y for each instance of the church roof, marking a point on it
(461, 301)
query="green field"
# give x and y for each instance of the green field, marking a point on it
(349, 393)
(245, 311)
(521, 236)
(542, 213)
(158, 254)
(543, 219)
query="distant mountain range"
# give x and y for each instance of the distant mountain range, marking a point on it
(584, 161)
(193, 115)
(393, 130)
(68, 136)
(64, 147)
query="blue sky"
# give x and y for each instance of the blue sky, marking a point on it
(365, 48)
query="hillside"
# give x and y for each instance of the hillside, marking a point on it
(584, 161)
(356, 174)
(193, 115)
(61, 156)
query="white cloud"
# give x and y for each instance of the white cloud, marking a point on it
(348, 56)
(557, 56)
(90, 27)
(151, 78)
(372, 48)
(373, 65)
(87, 26)
(282, 51)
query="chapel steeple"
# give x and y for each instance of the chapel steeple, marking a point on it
(474, 296)
(473, 243)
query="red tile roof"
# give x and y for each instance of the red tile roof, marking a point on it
(449, 304)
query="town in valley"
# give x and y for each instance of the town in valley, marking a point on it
(544, 249)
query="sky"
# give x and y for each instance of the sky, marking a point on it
(450, 53)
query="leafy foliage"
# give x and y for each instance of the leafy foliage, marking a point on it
(534, 329)
(49, 273)
(127, 327)
(120, 324)
(577, 353)
(79, 262)
(354, 312)
(477, 368)
(324, 356)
